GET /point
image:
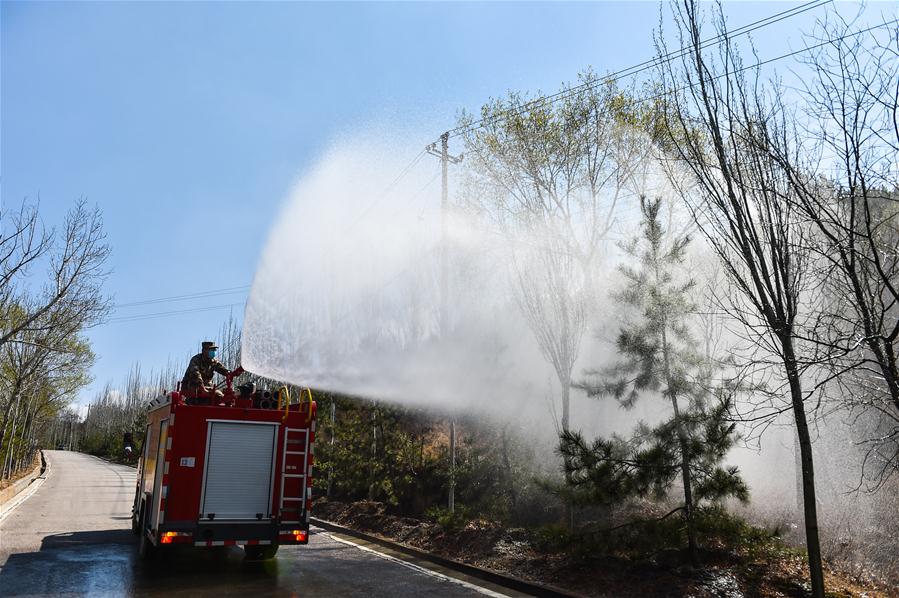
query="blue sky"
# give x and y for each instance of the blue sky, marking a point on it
(188, 123)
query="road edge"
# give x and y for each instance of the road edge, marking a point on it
(499, 579)
(425, 570)
(23, 489)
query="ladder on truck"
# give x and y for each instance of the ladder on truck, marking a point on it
(294, 472)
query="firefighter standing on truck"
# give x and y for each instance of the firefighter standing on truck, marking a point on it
(197, 382)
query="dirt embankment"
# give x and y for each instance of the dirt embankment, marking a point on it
(22, 473)
(772, 570)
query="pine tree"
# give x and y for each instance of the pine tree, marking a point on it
(659, 358)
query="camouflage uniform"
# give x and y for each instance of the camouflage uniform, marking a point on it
(199, 374)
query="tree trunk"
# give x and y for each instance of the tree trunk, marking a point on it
(374, 452)
(507, 464)
(331, 448)
(887, 361)
(568, 511)
(810, 508)
(5, 471)
(16, 391)
(688, 484)
(27, 438)
(3, 428)
(685, 454)
(797, 459)
(10, 442)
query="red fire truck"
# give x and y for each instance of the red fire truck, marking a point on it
(232, 470)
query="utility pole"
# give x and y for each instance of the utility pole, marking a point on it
(445, 159)
(374, 452)
(331, 447)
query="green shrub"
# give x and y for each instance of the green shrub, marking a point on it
(450, 521)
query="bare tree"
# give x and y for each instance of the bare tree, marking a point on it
(77, 261)
(552, 297)
(553, 174)
(717, 122)
(44, 358)
(22, 242)
(847, 189)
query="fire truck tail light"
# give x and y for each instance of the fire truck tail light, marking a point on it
(297, 535)
(169, 537)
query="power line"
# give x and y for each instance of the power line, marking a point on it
(415, 196)
(725, 74)
(153, 316)
(386, 190)
(643, 66)
(241, 289)
(234, 290)
(458, 130)
(187, 297)
(770, 60)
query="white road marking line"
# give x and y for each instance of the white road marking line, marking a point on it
(26, 494)
(419, 568)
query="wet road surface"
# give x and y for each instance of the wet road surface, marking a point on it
(73, 537)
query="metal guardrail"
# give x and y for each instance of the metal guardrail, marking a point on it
(500, 579)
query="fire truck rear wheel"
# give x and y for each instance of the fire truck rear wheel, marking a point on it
(260, 553)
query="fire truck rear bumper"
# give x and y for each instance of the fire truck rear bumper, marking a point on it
(234, 533)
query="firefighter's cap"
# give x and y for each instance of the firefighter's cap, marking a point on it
(207, 345)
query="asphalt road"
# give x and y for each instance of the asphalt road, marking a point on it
(72, 537)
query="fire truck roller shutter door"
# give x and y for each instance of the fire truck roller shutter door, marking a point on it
(240, 459)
